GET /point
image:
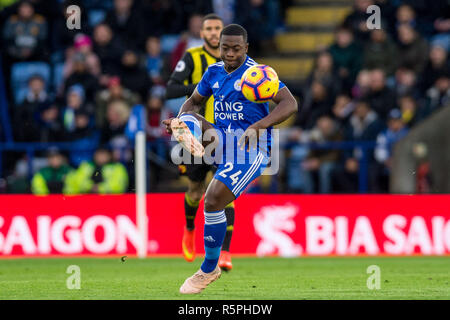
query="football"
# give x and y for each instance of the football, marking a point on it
(259, 83)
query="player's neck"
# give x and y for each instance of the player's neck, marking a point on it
(213, 52)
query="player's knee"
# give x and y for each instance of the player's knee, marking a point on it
(196, 191)
(195, 196)
(212, 203)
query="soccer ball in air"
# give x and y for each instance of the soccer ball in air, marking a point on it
(259, 83)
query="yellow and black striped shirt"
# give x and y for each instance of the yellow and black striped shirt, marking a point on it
(188, 73)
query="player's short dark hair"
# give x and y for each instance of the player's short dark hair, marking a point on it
(234, 30)
(211, 16)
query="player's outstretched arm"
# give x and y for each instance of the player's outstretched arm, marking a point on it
(286, 106)
(193, 103)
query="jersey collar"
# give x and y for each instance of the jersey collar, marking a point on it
(243, 63)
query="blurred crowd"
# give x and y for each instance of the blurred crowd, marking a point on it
(80, 86)
(369, 86)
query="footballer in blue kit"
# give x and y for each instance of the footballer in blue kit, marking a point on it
(238, 143)
(233, 114)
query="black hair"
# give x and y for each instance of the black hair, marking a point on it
(211, 16)
(234, 30)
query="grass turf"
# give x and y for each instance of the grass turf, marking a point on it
(251, 278)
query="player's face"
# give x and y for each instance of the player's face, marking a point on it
(232, 51)
(210, 32)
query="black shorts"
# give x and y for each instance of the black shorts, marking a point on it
(196, 172)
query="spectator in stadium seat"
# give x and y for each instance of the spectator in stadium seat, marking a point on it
(25, 34)
(347, 56)
(117, 115)
(114, 91)
(438, 95)
(364, 125)
(24, 114)
(361, 87)
(324, 73)
(82, 76)
(109, 49)
(49, 125)
(317, 102)
(406, 83)
(101, 175)
(378, 52)
(413, 49)
(380, 97)
(83, 44)
(320, 162)
(126, 24)
(437, 64)
(396, 130)
(50, 179)
(406, 15)
(188, 39)
(156, 62)
(134, 76)
(357, 19)
(411, 114)
(75, 104)
(342, 109)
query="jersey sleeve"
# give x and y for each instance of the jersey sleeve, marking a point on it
(281, 85)
(204, 86)
(183, 69)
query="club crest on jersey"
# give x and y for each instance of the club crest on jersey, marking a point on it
(237, 85)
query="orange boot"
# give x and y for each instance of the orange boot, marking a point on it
(225, 261)
(188, 245)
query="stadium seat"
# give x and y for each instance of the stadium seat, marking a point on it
(22, 71)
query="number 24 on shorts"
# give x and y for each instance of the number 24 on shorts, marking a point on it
(234, 177)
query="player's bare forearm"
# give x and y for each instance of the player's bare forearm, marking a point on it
(286, 106)
(193, 103)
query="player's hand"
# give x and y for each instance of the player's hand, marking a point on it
(250, 137)
(167, 124)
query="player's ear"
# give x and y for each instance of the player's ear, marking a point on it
(246, 47)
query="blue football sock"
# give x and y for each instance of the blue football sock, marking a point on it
(214, 233)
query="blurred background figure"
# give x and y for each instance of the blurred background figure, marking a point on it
(33, 99)
(347, 57)
(101, 175)
(133, 75)
(51, 179)
(189, 39)
(25, 34)
(114, 91)
(386, 140)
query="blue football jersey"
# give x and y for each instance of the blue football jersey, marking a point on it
(232, 111)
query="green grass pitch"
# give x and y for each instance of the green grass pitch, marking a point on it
(251, 278)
